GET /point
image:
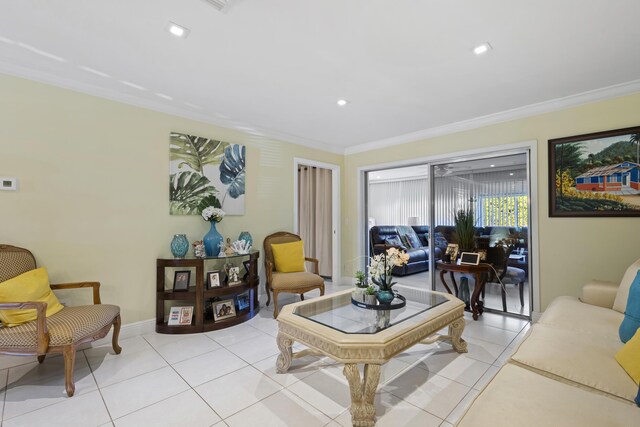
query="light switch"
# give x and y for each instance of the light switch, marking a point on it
(7, 183)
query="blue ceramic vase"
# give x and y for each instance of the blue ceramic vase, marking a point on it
(179, 245)
(246, 237)
(212, 240)
(385, 297)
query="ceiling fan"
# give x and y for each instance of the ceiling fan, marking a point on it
(221, 5)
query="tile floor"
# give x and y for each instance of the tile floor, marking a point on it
(227, 378)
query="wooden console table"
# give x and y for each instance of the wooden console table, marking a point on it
(198, 293)
(480, 272)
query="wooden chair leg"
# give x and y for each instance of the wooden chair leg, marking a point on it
(266, 288)
(41, 358)
(116, 333)
(69, 354)
(322, 290)
(275, 303)
(301, 297)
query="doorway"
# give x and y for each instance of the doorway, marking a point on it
(316, 213)
(422, 198)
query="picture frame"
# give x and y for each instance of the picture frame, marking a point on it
(234, 276)
(224, 310)
(243, 301)
(247, 266)
(180, 316)
(181, 281)
(452, 250)
(214, 279)
(595, 174)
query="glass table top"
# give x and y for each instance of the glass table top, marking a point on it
(340, 314)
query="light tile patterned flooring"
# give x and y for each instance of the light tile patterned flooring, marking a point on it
(228, 378)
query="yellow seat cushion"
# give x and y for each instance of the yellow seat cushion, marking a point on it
(288, 257)
(32, 286)
(629, 357)
(297, 280)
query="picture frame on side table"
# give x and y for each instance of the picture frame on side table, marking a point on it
(181, 281)
(214, 279)
(243, 301)
(595, 174)
(224, 310)
(452, 251)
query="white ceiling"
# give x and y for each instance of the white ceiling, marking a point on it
(277, 67)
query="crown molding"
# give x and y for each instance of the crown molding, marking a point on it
(264, 135)
(504, 116)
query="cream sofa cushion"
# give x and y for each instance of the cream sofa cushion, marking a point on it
(587, 360)
(620, 304)
(571, 314)
(519, 397)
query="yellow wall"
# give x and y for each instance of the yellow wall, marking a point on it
(93, 199)
(572, 250)
(93, 202)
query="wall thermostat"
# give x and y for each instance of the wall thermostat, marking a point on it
(8, 184)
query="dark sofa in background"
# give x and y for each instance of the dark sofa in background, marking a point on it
(414, 240)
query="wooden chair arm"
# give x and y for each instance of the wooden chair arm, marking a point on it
(94, 285)
(315, 262)
(41, 320)
(268, 270)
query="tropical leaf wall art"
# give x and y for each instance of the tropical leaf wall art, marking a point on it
(205, 172)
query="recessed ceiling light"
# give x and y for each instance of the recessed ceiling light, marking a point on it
(342, 102)
(511, 174)
(493, 166)
(178, 30)
(483, 48)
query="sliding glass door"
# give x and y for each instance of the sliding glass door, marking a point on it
(482, 206)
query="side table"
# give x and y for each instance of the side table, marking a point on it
(480, 273)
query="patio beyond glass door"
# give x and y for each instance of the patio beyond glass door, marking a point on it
(482, 206)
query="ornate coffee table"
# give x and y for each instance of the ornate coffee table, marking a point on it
(331, 325)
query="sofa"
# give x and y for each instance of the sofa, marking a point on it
(414, 240)
(564, 372)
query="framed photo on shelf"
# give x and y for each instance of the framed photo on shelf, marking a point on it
(214, 279)
(181, 280)
(247, 266)
(595, 174)
(224, 310)
(243, 301)
(234, 276)
(180, 316)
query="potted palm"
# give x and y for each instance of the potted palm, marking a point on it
(464, 221)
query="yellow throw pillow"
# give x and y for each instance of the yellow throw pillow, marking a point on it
(30, 286)
(288, 257)
(629, 357)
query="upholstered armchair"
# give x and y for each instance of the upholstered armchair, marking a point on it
(297, 282)
(61, 332)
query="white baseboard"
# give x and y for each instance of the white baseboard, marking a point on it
(129, 330)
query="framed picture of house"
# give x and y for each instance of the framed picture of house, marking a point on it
(595, 175)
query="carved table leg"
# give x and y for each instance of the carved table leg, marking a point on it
(284, 359)
(444, 282)
(455, 331)
(363, 411)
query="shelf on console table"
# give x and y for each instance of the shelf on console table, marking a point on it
(198, 293)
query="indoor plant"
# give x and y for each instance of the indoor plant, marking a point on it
(464, 220)
(380, 268)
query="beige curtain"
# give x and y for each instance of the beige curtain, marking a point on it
(314, 215)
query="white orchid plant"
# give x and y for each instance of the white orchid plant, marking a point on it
(381, 266)
(212, 213)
